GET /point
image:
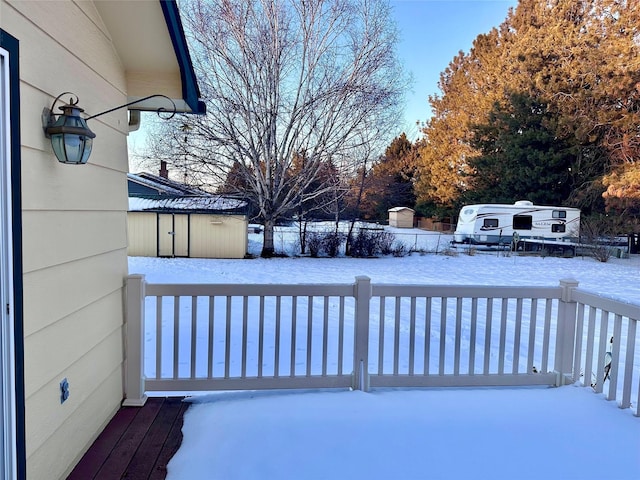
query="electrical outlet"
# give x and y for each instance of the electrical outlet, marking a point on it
(64, 390)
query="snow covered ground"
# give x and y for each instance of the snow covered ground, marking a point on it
(435, 433)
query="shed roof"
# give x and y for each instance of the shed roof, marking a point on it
(213, 204)
(398, 209)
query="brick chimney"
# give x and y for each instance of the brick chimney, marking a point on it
(164, 173)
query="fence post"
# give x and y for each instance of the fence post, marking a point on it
(134, 317)
(566, 333)
(362, 294)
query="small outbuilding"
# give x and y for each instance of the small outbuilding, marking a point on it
(401, 217)
(177, 220)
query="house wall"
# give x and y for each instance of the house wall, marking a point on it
(207, 236)
(74, 233)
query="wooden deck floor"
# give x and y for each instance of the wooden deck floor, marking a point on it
(137, 444)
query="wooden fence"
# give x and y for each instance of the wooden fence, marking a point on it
(208, 337)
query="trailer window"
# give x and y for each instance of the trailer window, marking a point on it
(558, 228)
(559, 214)
(490, 223)
(522, 222)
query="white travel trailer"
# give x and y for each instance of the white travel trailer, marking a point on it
(495, 224)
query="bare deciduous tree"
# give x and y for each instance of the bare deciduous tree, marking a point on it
(287, 79)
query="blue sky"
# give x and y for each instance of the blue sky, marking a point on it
(432, 32)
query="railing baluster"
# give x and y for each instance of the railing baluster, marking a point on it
(517, 336)
(472, 335)
(615, 358)
(412, 335)
(341, 336)
(276, 354)
(158, 337)
(396, 337)
(261, 337)
(487, 337)
(628, 366)
(227, 341)
(211, 347)
(427, 334)
(503, 335)
(176, 335)
(443, 333)
(309, 332)
(577, 356)
(382, 319)
(244, 340)
(325, 336)
(294, 314)
(602, 345)
(591, 333)
(458, 339)
(546, 336)
(533, 322)
(194, 326)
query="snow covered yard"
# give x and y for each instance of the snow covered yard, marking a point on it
(462, 433)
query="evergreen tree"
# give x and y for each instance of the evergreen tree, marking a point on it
(391, 180)
(521, 156)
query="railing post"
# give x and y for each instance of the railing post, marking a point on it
(362, 294)
(566, 333)
(134, 350)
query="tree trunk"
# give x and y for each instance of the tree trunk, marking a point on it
(268, 249)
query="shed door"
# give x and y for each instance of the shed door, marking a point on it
(173, 235)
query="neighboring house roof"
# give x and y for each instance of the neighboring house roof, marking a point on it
(142, 33)
(157, 185)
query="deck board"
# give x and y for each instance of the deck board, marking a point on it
(136, 444)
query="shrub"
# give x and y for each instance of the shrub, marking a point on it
(370, 243)
(400, 250)
(332, 242)
(386, 242)
(315, 243)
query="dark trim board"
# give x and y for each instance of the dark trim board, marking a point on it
(190, 90)
(11, 45)
(137, 444)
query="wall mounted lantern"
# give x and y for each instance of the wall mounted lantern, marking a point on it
(71, 137)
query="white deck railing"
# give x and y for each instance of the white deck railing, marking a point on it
(208, 337)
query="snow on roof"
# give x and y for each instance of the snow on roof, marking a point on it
(216, 203)
(398, 209)
(164, 185)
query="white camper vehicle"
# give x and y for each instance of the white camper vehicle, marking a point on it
(497, 224)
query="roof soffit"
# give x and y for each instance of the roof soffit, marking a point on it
(147, 36)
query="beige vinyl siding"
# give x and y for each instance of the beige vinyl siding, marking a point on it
(74, 232)
(143, 234)
(218, 236)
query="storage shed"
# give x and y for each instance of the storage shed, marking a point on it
(181, 221)
(401, 217)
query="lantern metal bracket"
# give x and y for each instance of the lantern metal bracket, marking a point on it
(48, 117)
